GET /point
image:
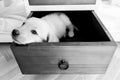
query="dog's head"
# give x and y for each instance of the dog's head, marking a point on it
(33, 30)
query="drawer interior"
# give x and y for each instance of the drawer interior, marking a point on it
(89, 28)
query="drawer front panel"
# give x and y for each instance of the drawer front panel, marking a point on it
(53, 69)
(98, 60)
(61, 2)
(56, 51)
(81, 59)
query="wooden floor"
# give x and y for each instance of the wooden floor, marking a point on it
(9, 69)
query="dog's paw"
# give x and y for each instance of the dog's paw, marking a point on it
(71, 34)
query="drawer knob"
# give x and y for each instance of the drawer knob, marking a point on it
(63, 65)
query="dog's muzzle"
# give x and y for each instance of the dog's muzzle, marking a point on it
(15, 32)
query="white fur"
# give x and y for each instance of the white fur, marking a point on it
(52, 26)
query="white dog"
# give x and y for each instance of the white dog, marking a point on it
(49, 28)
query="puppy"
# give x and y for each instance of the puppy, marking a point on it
(49, 28)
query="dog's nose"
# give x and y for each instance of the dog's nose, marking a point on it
(15, 32)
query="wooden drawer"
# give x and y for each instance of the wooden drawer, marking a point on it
(88, 52)
(36, 58)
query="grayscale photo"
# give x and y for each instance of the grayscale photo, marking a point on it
(59, 40)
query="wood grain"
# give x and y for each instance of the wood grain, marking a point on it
(58, 2)
(53, 69)
(82, 59)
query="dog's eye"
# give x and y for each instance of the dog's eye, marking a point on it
(23, 23)
(33, 31)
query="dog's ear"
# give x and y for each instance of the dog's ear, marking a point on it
(47, 39)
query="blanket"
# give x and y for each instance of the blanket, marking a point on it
(12, 15)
